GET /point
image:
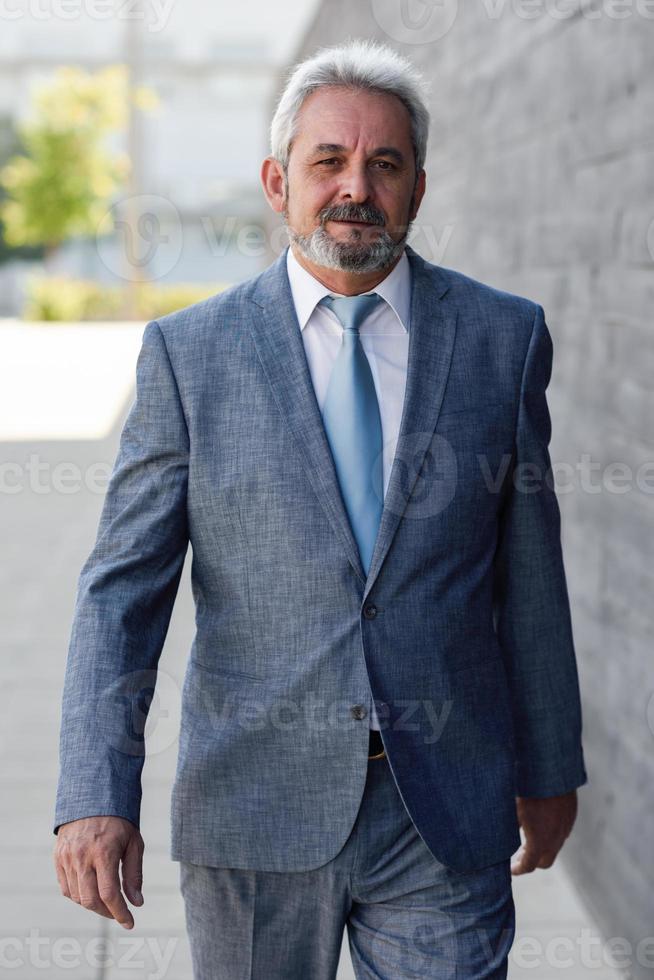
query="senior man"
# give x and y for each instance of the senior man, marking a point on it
(382, 688)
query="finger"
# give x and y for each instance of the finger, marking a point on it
(526, 861)
(547, 860)
(89, 897)
(110, 893)
(132, 870)
(62, 879)
(71, 876)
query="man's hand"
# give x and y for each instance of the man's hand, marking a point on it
(87, 855)
(546, 823)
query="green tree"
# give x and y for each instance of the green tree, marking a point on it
(62, 185)
(9, 147)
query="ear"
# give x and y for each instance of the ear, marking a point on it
(272, 180)
(418, 193)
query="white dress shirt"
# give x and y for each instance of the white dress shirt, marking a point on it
(385, 340)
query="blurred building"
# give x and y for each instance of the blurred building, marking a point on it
(198, 155)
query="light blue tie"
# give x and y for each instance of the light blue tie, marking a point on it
(353, 423)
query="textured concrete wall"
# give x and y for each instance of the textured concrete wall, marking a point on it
(541, 181)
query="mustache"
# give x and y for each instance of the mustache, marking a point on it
(352, 212)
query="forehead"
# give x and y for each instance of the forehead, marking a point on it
(353, 115)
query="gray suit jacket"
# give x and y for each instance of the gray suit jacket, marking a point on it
(461, 630)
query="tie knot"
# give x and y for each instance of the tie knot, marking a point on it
(352, 310)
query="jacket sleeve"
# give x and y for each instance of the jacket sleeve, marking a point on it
(531, 606)
(125, 595)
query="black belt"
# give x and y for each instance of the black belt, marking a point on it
(375, 745)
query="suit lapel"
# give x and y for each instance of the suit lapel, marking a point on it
(278, 339)
(431, 342)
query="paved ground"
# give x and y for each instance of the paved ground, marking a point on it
(47, 534)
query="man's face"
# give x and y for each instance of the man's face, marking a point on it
(351, 189)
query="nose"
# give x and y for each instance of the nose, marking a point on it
(355, 185)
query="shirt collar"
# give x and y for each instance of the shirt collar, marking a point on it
(308, 291)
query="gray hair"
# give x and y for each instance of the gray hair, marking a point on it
(359, 65)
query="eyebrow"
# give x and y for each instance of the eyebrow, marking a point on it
(381, 151)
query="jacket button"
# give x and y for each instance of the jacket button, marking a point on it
(358, 711)
(370, 611)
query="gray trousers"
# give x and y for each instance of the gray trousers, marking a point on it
(406, 914)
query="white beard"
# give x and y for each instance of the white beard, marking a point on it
(347, 256)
